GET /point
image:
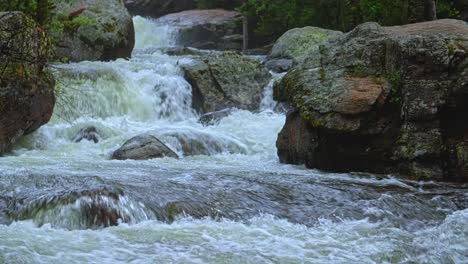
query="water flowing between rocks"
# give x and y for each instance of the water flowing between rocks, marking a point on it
(68, 202)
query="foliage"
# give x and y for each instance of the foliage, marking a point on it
(447, 9)
(40, 10)
(271, 18)
(226, 4)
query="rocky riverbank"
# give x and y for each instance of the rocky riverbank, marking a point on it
(381, 100)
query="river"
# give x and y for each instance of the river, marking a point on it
(65, 202)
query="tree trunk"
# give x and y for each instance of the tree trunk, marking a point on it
(42, 11)
(430, 10)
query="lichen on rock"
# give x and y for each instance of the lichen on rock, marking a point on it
(383, 100)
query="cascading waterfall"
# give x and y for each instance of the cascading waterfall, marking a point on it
(232, 202)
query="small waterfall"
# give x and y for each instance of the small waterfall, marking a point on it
(151, 34)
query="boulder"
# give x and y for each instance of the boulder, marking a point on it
(213, 118)
(279, 65)
(226, 80)
(381, 100)
(192, 143)
(157, 8)
(207, 29)
(26, 88)
(298, 43)
(143, 147)
(88, 133)
(93, 30)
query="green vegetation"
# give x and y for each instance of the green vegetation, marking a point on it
(271, 18)
(40, 10)
(396, 83)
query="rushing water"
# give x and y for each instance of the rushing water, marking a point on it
(67, 202)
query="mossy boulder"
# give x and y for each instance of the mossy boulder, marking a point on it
(226, 80)
(299, 43)
(26, 87)
(93, 30)
(382, 100)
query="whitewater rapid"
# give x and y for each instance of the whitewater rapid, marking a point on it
(238, 205)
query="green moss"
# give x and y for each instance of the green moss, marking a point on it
(396, 83)
(79, 21)
(108, 27)
(451, 48)
(322, 75)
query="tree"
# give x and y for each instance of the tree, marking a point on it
(430, 10)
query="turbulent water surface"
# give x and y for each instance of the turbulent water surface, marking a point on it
(65, 202)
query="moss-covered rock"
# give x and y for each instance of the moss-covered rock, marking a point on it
(93, 30)
(299, 43)
(383, 100)
(226, 80)
(26, 87)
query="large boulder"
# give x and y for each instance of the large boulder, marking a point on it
(157, 8)
(26, 88)
(299, 43)
(143, 147)
(226, 80)
(207, 29)
(382, 100)
(93, 30)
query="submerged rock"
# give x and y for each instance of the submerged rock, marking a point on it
(157, 8)
(226, 80)
(26, 89)
(192, 143)
(382, 100)
(143, 147)
(214, 118)
(93, 30)
(88, 133)
(207, 29)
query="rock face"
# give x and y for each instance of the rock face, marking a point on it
(26, 88)
(143, 147)
(207, 29)
(226, 80)
(382, 100)
(157, 8)
(93, 30)
(298, 43)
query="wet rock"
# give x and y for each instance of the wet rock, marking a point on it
(143, 147)
(157, 8)
(264, 50)
(26, 88)
(182, 51)
(301, 42)
(88, 133)
(382, 100)
(207, 29)
(226, 80)
(214, 118)
(279, 65)
(192, 143)
(103, 31)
